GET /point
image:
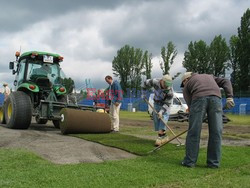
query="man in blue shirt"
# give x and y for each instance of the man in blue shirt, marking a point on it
(115, 96)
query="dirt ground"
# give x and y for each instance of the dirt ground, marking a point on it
(179, 127)
(50, 144)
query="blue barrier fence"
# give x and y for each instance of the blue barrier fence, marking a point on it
(136, 103)
(1, 99)
(242, 105)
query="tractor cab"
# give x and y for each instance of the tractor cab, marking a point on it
(39, 72)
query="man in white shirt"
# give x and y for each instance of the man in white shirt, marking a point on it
(6, 91)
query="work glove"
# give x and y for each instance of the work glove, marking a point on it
(160, 114)
(229, 103)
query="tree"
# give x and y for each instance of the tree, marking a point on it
(234, 59)
(219, 55)
(148, 65)
(128, 66)
(69, 84)
(196, 58)
(244, 51)
(121, 66)
(167, 54)
(136, 67)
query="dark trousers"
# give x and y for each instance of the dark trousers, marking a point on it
(210, 105)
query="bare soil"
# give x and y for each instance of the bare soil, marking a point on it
(230, 132)
(50, 144)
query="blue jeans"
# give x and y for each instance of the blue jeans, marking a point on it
(159, 125)
(210, 105)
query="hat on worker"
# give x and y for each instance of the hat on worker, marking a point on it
(185, 76)
(5, 84)
(167, 79)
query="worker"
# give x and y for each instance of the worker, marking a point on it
(115, 96)
(6, 91)
(163, 96)
(203, 96)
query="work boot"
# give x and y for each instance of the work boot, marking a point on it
(161, 140)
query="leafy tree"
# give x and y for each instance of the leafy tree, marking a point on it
(244, 51)
(234, 58)
(167, 54)
(219, 55)
(196, 58)
(128, 66)
(69, 84)
(136, 68)
(147, 64)
(121, 66)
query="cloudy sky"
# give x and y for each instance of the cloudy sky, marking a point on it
(89, 33)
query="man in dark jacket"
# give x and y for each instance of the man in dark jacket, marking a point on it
(203, 96)
(115, 96)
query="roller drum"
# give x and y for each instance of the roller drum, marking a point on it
(79, 121)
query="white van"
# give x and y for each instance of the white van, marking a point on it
(178, 105)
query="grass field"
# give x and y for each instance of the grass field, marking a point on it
(235, 119)
(239, 119)
(161, 169)
(20, 168)
(134, 115)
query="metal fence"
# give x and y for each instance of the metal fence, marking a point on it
(1, 99)
(242, 105)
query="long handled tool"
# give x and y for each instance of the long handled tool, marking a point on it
(163, 121)
(167, 141)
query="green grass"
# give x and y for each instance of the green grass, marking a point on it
(20, 168)
(126, 142)
(235, 119)
(239, 119)
(134, 115)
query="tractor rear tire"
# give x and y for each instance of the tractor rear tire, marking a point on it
(56, 123)
(41, 121)
(18, 110)
(2, 118)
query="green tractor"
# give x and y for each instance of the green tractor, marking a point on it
(39, 92)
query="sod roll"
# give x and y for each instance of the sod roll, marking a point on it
(75, 121)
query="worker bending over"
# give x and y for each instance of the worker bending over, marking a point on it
(163, 96)
(203, 96)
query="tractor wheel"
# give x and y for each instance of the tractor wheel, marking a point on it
(41, 121)
(2, 118)
(18, 110)
(56, 124)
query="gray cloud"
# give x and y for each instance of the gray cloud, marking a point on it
(16, 15)
(89, 33)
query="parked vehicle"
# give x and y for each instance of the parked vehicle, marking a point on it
(179, 109)
(178, 105)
